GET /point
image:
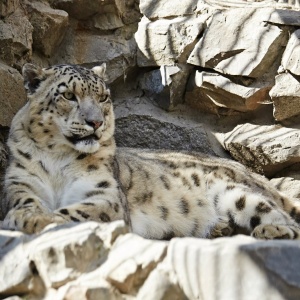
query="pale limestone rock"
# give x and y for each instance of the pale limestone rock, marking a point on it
(166, 85)
(17, 273)
(166, 42)
(264, 149)
(130, 261)
(12, 96)
(49, 27)
(227, 46)
(289, 186)
(15, 38)
(290, 58)
(109, 232)
(88, 287)
(222, 92)
(232, 268)
(286, 96)
(63, 254)
(160, 286)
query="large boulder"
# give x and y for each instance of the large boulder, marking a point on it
(90, 49)
(89, 261)
(166, 42)
(141, 131)
(210, 91)
(15, 38)
(49, 26)
(264, 149)
(228, 268)
(227, 46)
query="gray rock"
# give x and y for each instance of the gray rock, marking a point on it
(15, 38)
(49, 27)
(286, 96)
(264, 149)
(140, 131)
(166, 85)
(90, 49)
(166, 42)
(108, 21)
(290, 58)
(83, 9)
(210, 90)
(285, 17)
(240, 53)
(12, 96)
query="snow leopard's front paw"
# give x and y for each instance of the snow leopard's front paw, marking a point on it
(28, 221)
(275, 232)
(221, 229)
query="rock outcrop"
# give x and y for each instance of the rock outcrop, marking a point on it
(215, 76)
(93, 261)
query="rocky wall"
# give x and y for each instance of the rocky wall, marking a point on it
(220, 77)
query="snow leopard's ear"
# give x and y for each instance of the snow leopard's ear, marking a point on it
(100, 71)
(33, 75)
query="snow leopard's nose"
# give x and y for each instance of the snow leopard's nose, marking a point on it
(93, 123)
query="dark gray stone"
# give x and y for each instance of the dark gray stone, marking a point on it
(146, 132)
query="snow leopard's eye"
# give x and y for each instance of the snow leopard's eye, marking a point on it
(103, 98)
(69, 96)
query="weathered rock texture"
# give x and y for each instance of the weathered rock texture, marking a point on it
(92, 261)
(265, 149)
(220, 77)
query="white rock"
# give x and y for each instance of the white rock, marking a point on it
(285, 96)
(290, 58)
(210, 90)
(130, 261)
(289, 186)
(166, 42)
(17, 273)
(64, 253)
(230, 268)
(265, 149)
(88, 287)
(227, 46)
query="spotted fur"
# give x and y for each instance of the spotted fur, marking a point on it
(64, 167)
